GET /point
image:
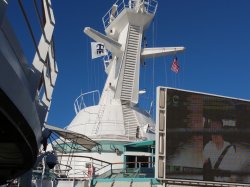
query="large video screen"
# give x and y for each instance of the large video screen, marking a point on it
(207, 137)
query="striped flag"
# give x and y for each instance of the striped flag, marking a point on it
(175, 66)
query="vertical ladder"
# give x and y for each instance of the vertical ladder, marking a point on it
(131, 58)
(99, 117)
(130, 121)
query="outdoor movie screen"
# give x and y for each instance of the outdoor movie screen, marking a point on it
(207, 137)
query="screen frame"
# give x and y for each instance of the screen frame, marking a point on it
(160, 153)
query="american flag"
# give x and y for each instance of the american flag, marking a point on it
(175, 66)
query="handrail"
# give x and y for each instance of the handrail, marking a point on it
(106, 18)
(100, 166)
(79, 103)
(81, 156)
(79, 167)
(132, 163)
(126, 170)
(149, 5)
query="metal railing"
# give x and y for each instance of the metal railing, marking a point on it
(148, 6)
(151, 6)
(85, 168)
(107, 60)
(82, 167)
(138, 171)
(110, 16)
(80, 102)
(79, 167)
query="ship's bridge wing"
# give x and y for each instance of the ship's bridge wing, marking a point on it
(74, 137)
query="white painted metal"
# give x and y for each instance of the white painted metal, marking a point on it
(116, 118)
(99, 117)
(47, 73)
(130, 63)
(160, 151)
(104, 184)
(111, 125)
(131, 153)
(43, 46)
(130, 122)
(145, 6)
(140, 184)
(121, 184)
(80, 104)
(163, 51)
(109, 43)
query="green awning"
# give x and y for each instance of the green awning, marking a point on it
(141, 144)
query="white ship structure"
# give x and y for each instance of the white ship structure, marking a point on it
(117, 120)
(124, 133)
(112, 142)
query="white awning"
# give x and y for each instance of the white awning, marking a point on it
(74, 137)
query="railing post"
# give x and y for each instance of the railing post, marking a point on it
(111, 169)
(74, 168)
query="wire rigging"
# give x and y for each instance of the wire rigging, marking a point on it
(87, 52)
(166, 70)
(153, 69)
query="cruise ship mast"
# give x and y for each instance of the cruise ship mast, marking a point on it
(117, 115)
(125, 25)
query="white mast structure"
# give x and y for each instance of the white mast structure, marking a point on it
(117, 116)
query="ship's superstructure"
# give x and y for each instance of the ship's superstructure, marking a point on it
(116, 120)
(111, 142)
(117, 116)
(121, 133)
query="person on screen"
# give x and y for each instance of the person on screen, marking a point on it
(218, 156)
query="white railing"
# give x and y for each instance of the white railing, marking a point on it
(82, 166)
(73, 167)
(106, 60)
(111, 15)
(80, 102)
(149, 6)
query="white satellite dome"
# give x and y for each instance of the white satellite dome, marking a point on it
(111, 125)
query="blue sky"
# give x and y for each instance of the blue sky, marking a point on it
(216, 34)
